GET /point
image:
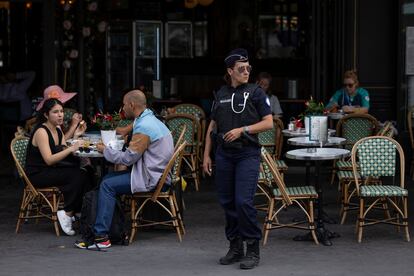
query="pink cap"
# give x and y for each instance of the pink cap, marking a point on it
(55, 92)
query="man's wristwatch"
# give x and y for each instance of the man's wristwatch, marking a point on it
(246, 129)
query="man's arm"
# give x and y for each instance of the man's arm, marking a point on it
(138, 145)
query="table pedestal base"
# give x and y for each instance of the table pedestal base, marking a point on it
(324, 236)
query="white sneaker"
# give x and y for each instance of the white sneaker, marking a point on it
(65, 222)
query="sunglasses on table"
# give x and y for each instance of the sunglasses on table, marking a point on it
(241, 69)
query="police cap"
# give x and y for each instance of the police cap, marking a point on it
(236, 55)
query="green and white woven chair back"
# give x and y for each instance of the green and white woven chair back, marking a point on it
(189, 136)
(377, 157)
(356, 128)
(189, 109)
(19, 149)
(267, 174)
(67, 117)
(124, 123)
(267, 139)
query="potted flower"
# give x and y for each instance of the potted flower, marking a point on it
(107, 123)
(312, 108)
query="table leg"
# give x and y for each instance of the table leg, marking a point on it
(324, 235)
(307, 175)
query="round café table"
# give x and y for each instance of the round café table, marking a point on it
(301, 132)
(317, 155)
(305, 142)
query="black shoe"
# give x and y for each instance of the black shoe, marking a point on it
(235, 253)
(252, 255)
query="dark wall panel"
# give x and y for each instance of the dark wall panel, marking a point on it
(376, 44)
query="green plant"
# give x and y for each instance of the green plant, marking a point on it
(313, 107)
(107, 121)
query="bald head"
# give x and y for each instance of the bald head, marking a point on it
(134, 103)
(137, 97)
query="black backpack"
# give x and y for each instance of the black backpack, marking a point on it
(117, 233)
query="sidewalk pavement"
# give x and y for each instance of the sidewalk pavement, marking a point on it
(37, 251)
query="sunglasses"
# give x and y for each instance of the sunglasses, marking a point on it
(349, 84)
(85, 149)
(241, 69)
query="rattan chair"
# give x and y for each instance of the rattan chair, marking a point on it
(279, 197)
(272, 141)
(352, 127)
(198, 113)
(410, 115)
(377, 157)
(192, 137)
(36, 202)
(346, 178)
(166, 200)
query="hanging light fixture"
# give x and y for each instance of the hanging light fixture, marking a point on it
(205, 2)
(189, 4)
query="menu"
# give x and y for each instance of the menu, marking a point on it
(318, 128)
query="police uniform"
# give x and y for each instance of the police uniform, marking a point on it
(237, 162)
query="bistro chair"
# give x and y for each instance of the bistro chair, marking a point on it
(192, 137)
(36, 202)
(67, 117)
(199, 113)
(272, 141)
(346, 178)
(279, 197)
(410, 115)
(178, 135)
(353, 127)
(124, 123)
(377, 157)
(165, 199)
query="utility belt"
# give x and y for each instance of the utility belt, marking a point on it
(244, 141)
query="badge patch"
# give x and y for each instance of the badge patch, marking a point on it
(268, 101)
(367, 98)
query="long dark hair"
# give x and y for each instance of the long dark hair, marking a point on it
(47, 106)
(227, 77)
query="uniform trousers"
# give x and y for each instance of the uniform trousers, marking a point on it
(237, 172)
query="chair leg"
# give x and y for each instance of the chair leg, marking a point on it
(133, 220)
(361, 219)
(312, 222)
(405, 219)
(175, 218)
(333, 172)
(54, 214)
(195, 174)
(180, 219)
(21, 211)
(345, 201)
(267, 226)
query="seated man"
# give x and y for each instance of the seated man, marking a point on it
(351, 98)
(152, 142)
(264, 80)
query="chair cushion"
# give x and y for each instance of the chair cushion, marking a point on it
(297, 191)
(346, 175)
(281, 165)
(382, 190)
(344, 165)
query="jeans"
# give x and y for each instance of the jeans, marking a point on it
(113, 184)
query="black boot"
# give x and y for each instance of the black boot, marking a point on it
(252, 255)
(235, 253)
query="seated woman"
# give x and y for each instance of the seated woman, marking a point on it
(56, 92)
(50, 163)
(351, 98)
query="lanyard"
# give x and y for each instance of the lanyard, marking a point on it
(245, 96)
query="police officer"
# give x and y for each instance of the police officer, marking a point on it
(240, 111)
